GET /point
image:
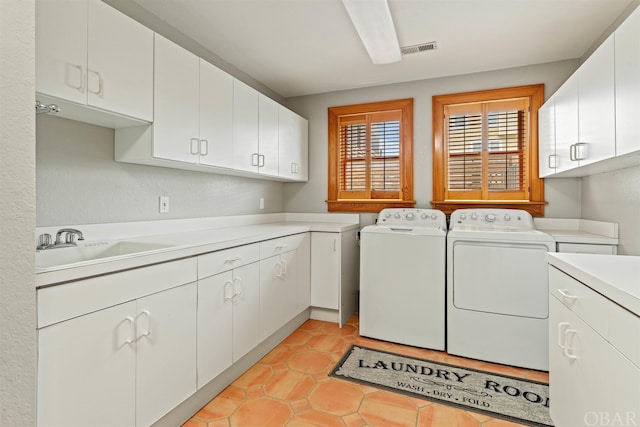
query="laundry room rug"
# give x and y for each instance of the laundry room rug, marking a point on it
(501, 396)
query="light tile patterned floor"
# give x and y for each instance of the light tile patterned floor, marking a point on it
(290, 387)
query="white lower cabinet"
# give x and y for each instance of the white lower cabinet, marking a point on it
(246, 310)
(594, 357)
(334, 275)
(277, 292)
(126, 365)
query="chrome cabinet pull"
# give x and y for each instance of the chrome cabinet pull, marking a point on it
(254, 159)
(554, 157)
(195, 146)
(260, 160)
(204, 147)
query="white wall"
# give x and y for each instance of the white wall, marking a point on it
(615, 197)
(563, 196)
(78, 182)
(17, 214)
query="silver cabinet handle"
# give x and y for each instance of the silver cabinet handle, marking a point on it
(553, 157)
(581, 151)
(567, 347)
(204, 147)
(99, 77)
(80, 69)
(255, 159)
(260, 160)
(572, 153)
(195, 146)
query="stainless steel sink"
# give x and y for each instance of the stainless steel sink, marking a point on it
(93, 251)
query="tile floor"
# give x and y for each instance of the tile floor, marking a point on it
(290, 387)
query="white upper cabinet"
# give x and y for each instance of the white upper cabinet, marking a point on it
(268, 136)
(216, 116)
(176, 133)
(293, 145)
(596, 106)
(547, 143)
(82, 58)
(627, 77)
(566, 123)
(245, 127)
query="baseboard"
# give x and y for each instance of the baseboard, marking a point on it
(326, 314)
(181, 413)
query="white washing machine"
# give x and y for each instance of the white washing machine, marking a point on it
(402, 278)
(497, 287)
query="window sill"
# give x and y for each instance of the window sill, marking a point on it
(448, 206)
(367, 206)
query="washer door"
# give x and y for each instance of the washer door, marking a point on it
(501, 278)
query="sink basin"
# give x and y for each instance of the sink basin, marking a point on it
(92, 251)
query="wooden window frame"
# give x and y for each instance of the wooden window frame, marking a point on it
(535, 204)
(336, 204)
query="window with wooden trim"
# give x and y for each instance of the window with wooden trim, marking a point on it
(485, 151)
(371, 156)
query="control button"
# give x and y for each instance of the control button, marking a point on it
(463, 216)
(396, 215)
(490, 217)
(434, 217)
(507, 217)
(474, 216)
(424, 216)
(410, 216)
(387, 215)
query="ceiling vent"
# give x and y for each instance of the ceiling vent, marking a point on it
(417, 48)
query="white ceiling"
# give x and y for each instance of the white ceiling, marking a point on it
(301, 47)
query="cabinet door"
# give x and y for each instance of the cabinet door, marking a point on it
(596, 105)
(574, 382)
(166, 359)
(120, 63)
(547, 139)
(61, 49)
(245, 127)
(216, 116)
(624, 386)
(303, 273)
(293, 141)
(246, 309)
(215, 326)
(176, 102)
(86, 370)
(289, 262)
(627, 69)
(268, 136)
(325, 270)
(271, 296)
(566, 123)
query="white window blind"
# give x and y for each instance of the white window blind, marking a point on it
(487, 150)
(369, 157)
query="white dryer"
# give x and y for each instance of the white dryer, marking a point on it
(402, 278)
(497, 287)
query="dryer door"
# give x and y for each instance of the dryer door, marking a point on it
(502, 278)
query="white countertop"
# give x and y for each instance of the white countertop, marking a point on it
(566, 230)
(185, 244)
(617, 277)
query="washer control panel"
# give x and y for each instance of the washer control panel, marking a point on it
(492, 218)
(413, 217)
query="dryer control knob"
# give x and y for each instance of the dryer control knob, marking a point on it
(463, 216)
(490, 217)
(410, 216)
(424, 216)
(397, 216)
(507, 217)
(434, 217)
(474, 216)
(387, 215)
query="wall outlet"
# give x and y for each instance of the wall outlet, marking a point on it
(261, 202)
(164, 204)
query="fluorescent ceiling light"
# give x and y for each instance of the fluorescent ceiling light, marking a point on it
(372, 19)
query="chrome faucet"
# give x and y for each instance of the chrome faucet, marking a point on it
(44, 241)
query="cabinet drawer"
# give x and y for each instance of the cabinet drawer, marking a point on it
(227, 259)
(583, 248)
(62, 302)
(280, 245)
(624, 332)
(586, 303)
